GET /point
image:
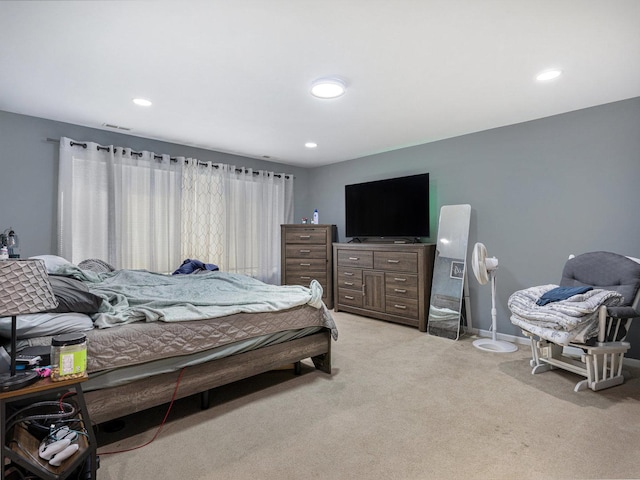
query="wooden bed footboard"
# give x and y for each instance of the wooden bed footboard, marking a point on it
(115, 402)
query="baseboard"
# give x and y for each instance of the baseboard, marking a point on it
(630, 362)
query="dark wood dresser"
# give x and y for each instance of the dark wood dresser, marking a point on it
(386, 281)
(307, 254)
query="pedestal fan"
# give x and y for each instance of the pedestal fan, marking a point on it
(485, 269)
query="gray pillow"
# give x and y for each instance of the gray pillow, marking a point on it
(46, 324)
(73, 296)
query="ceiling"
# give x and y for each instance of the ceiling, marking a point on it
(234, 75)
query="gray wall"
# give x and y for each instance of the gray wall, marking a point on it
(539, 191)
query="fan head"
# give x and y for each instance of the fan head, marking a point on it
(481, 264)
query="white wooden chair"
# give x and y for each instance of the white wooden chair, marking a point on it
(599, 359)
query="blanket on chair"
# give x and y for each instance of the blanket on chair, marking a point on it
(574, 319)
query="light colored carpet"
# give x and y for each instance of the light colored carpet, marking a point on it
(400, 404)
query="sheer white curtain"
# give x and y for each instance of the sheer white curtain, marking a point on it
(119, 206)
(232, 217)
(138, 210)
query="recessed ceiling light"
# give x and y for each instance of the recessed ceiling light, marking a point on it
(328, 88)
(548, 75)
(311, 145)
(143, 102)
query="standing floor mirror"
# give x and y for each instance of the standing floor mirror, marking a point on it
(449, 272)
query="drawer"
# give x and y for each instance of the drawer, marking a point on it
(349, 297)
(401, 285)
(403, 307)
(306, 235)
(355, 258)
(396, 261)
(350, 278)
(304, 279)
(306, 251)
(306, 264)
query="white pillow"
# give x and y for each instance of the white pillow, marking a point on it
(52, 262)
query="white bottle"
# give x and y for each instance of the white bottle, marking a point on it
(4, 253)
(315, 216)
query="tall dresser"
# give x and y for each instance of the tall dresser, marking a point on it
(387, 281)
(307, 254)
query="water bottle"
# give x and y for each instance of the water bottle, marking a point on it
(315, 216)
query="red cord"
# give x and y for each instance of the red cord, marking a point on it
(62, 398)
(175, 392)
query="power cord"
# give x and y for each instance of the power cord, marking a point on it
(66, 411)
(164, 420)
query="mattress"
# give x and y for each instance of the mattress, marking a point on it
(123, 375)
(140, 343)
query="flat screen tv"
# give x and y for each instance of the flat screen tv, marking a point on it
(395, 207)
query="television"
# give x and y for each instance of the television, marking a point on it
(394, 207)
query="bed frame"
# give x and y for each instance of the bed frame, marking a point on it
(111, 403)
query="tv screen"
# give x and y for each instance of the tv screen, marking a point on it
(395, 207)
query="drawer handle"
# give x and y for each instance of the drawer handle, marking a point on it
(399, 290)
(348, 274)
(305, 278)
(305, 236)
(401, 307)
(305, 264)
(355, 259)
(393, 261)
(349, 283)
(349, 297)
(400, 279)
(305, 251)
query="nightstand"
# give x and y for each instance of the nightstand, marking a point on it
(22, 448)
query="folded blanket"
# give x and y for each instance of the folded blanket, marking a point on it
(575, 316)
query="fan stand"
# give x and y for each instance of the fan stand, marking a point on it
(492, 344)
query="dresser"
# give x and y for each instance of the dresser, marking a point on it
(307, 254)
(387, 281)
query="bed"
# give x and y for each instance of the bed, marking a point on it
(147, 331)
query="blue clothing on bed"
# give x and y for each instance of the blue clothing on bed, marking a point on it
(561, 293)
(190, 266)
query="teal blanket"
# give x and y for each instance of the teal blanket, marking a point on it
(138, 295)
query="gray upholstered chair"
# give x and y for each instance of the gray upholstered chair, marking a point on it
(600, 357)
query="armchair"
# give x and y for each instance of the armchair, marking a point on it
(595, 322)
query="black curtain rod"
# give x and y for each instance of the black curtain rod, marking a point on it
(156, 157)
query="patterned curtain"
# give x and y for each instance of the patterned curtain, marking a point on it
(232, 216)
